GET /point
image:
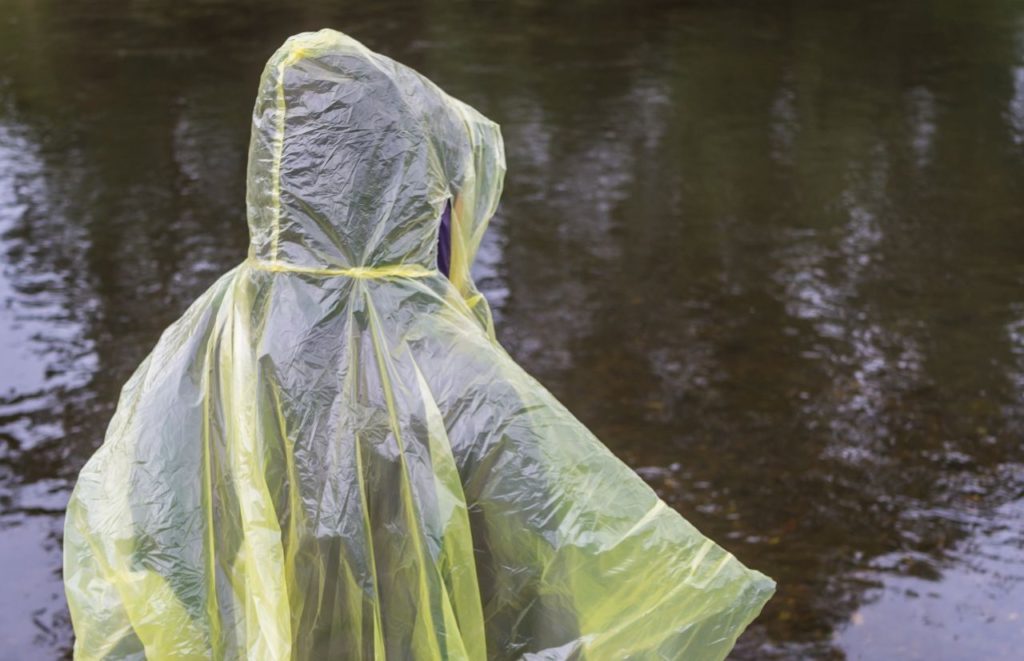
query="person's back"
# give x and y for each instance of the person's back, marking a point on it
(329, 455)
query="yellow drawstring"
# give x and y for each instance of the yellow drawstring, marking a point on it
(362, 272)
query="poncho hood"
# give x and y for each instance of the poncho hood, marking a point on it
(354, 156)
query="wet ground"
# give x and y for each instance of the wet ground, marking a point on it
(772, 252)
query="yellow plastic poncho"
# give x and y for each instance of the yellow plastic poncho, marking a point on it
(330, 457)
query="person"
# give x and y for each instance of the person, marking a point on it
(329, 456)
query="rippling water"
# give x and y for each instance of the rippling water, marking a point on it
(771, 252)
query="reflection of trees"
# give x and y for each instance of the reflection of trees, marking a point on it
(766, 251)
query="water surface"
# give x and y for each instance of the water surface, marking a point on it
(771, 252)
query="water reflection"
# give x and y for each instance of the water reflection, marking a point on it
(48, 363)
(773, 258)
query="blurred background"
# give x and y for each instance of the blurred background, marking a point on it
(771, 252)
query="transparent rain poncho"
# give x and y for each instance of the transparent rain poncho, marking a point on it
(329, 456)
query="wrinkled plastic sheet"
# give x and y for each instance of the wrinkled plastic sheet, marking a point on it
(330, 457)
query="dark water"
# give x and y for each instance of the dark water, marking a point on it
(771, 252)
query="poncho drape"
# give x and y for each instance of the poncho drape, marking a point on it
(329, 456)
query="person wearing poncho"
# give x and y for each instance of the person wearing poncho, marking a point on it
(329, 456)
